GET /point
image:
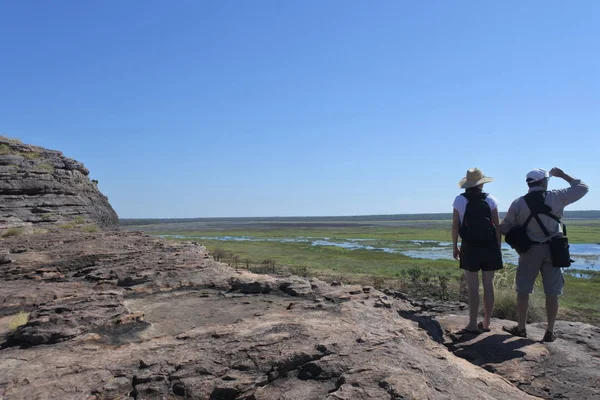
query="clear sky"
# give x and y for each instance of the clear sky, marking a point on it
(309, 107)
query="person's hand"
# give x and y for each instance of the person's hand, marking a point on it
(456, 253)
(557, 172)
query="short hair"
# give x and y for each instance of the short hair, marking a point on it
(537, 183)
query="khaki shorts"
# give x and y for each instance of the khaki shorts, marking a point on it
(537, 260)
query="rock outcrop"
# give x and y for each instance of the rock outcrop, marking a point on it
(40, 187)
(122, 315)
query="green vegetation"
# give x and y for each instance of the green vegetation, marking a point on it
(79, 220)
(18, 320)
(31, 155)
(12, 232)
(5, 149)
(325, 258)
(505, 305)
(580, 232)
(416, 277)
(10, 140)
(91, 228)
(47, 167)
(47, 216)
(69, 225)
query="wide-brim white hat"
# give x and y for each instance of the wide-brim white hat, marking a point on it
(475, 177)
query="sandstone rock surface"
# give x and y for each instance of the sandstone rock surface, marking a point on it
(122, 315)
(568, 368)
(40, 187)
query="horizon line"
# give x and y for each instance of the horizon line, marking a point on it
(328, 216)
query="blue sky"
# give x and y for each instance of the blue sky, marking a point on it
(275, 108)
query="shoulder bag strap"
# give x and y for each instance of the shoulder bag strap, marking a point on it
(537, 218)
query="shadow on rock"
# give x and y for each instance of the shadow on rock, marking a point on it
(492, 349)
(427, 323)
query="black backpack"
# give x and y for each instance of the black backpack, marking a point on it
(519, 240)
(477, 227)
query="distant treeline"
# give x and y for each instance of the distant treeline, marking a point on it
(594, 214)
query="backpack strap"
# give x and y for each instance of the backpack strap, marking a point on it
(537, 209)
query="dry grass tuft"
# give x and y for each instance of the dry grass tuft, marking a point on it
(18, 320)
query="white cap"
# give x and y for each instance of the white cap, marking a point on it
(537, 175)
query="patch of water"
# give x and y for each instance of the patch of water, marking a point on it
(586, 256)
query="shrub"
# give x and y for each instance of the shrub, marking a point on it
(91, 228)
(463, 290)
(47, 167)
(5, 149)
(415, 273)
(443, 281)
(219, 254)
(404, 276)
(378, 282)
(247, 262)
(505, 277)
(18, 320)
(505, 305)
(31, 155)
(10, 140)
(12, 232)
(79, 220)
(426, 276)
(69, 225)
(269, 264)
(302, 270)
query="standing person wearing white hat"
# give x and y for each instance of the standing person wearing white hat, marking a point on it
(476, 221)
(540, 233)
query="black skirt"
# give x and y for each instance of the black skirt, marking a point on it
(485, 258)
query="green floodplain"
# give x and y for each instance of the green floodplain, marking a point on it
(418, 277)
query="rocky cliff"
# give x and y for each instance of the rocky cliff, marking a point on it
(40, 186)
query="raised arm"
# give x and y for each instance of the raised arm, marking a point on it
(571, 194)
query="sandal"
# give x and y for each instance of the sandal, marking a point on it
(515, 331)
(549, 337)
(466, 331)
(481, 328)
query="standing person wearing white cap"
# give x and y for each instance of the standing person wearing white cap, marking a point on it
(538, 258)
(476, 220)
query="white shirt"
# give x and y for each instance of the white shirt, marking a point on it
(460, 204)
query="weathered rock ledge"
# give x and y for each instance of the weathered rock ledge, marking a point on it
(122, 315)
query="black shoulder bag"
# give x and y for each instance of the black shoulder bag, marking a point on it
(517, 237)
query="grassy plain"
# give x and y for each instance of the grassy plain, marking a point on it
(581, 299)
(579, 231)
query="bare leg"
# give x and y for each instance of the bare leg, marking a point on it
(522, 308)
(488, 297)
(551, 311)
(473, 287)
